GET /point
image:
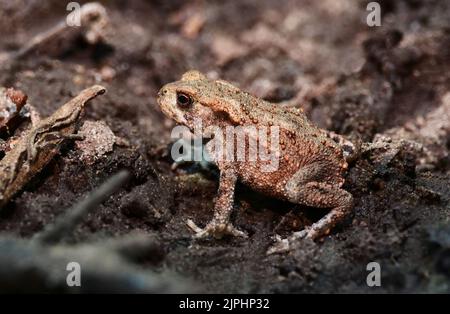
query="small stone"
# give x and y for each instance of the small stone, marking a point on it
(11, 103)
(98, 140)
(107, 73)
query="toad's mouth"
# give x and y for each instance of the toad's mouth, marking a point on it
(170, 111)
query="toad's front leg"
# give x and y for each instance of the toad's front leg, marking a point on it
(220, 225)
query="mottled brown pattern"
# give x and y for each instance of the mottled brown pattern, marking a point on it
(311, 165)
(17, 97)
(11, 102)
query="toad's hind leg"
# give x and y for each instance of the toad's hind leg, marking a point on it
(302, 189)
(322, 195)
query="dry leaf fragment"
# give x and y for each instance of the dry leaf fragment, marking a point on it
(37, 146)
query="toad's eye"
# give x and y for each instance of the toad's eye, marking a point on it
(183, 100)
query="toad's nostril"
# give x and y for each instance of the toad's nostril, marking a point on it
(162, 92)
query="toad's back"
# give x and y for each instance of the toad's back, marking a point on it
(301, 145)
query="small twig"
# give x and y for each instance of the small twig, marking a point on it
(93, 19)
(75, 214)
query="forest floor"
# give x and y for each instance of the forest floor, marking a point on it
(388, 85)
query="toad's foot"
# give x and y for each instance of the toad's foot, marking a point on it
(215, 229)
(285, 245)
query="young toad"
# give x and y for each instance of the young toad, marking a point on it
(311, 164)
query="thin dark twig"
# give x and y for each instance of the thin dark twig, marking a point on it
(75, 214)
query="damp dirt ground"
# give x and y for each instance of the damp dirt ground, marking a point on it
(385, 85)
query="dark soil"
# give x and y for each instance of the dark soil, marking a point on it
(363, 82)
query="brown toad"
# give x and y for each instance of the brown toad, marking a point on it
(311, 164)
